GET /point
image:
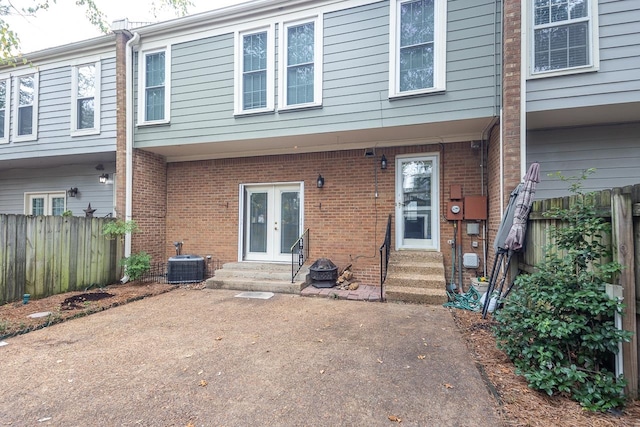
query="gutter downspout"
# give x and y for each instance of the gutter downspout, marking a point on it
(129, 141)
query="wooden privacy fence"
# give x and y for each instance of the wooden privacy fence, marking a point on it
(620, 207)
(47, 255)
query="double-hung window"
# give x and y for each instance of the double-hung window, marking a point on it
(417, 46)
(155, 91)
(5, 90)
(85, 100)
(26, 108)
(563, 35)
(254, 76)
(301, 64)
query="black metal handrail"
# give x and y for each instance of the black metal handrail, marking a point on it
(384, 260)
(300, 249)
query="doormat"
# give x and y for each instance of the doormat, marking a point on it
(256, 295)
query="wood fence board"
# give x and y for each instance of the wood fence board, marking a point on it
(44, 255)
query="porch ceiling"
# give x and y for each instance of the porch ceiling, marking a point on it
(585, 116)
(55, 161)
(462, 130)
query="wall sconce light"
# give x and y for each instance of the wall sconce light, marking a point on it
(72, 192)
(320, 181)
(383, 162)
(103, 178)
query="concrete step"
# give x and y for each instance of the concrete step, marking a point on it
(416, 280)
(416, 295)
(259, 273)
(257, 276)
(417, 256)
(246, 284)
(417, 267)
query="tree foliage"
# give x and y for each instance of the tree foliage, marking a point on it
(10, 40)
(558, 325)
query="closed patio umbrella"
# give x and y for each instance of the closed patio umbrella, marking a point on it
(515, 238)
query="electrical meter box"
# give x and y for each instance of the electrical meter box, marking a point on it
(455, 210)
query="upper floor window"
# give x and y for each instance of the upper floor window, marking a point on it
(155, 89)
(85, 101)
(45, 203)
(254, 75)
(26, 108)
(417, 46)
(563, 36)
(301, 70)
(4, 115)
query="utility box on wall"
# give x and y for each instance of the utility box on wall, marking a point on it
(455, 210)
(475, 207)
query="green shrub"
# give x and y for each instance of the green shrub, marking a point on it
(558, 324)
(136, 265)
(118, 228)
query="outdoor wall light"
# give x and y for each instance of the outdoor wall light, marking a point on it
(103, 178)
(72, 192)
(383, 162)
(320, 181)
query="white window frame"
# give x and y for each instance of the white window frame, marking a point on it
(33, 136)
(75, 131)
(7, 109)
(142, 85)
(48, 198)
(238, 66)
(594, 46)
(317, 63)
(439, 55)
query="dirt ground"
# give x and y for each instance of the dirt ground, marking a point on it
(516, 404)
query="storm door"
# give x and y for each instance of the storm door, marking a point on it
(272, 219)
(417, 225)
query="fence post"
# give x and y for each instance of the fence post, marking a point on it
(622, 230)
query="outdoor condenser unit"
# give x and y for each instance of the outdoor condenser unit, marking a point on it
(185, 269)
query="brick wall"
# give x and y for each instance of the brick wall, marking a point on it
(121, 123)
(347, 222)
(150, 204)
(494, 180)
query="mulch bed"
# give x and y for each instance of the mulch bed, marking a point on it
(517, 403)
(14, 318)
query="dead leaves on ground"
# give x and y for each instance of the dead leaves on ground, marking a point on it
(395, 419)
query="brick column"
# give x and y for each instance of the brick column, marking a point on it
(121, 121)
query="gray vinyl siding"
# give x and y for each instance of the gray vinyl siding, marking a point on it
(16, 182)
(614, 151)
(355, 81)
(617, 81)
(54, 118)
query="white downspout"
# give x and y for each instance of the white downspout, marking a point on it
(501, 168)
(129, 139)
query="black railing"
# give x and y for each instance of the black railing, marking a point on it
(385, 251)
(299, 254)
(158, 271)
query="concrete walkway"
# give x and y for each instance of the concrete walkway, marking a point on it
(207, 358)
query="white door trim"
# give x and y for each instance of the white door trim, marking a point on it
(435, 201)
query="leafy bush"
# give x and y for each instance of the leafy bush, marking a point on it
(558, 325)
(136, 265)
(119, 228)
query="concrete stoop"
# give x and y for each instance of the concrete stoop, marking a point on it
(416, 277)
(258, 277)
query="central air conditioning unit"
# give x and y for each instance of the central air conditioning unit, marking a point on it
(185, 269)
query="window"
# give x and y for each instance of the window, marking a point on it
(155, 91)
(254, 76)
(5, 90)
(26, 113)
(45, 203)
(301, 70)
(562, 35)
(85, 101)
(417, 47)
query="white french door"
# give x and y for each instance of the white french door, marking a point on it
(417, 202)
(272, 221)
